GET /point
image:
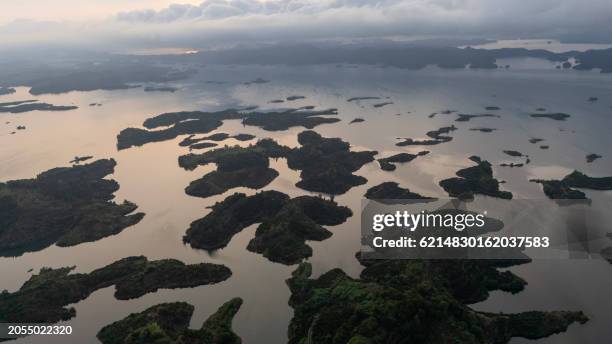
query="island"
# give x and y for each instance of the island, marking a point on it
(202, 145)
(44, 297)
(483, 129)
(592, 157)
(79, 159)
(379, 105)
(357, 120)
(559, 116)
(65, 206)
(392, 193)
(535, 140)
(361, 98)
(327, 164)
(285, 224)
(474, 180)
(426, 301)
(292, 98)
(462, 117)
(169, 323)
(243, 137)
(22, 106)
(198, 122)
(437, 136)
(563, 189)
(513, 153)
(236, 166)
(388, 164)
(492, 108)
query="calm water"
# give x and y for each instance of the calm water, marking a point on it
(151, 177)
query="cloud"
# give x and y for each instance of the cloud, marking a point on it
(225, 22)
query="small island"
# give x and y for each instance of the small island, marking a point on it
(462, 117)
(79, 159)
(535, 140)
(513, 153)
(392, 193)
(236, 166)
(388, 164)
(437, 137)
(361, 98)
(169, 323)
(379, 105)
(559, 116)
(474, 180)
(563, 189)
(32, 105)
(327, 164)
(483, 129)
(592, 157)
(357, 120)
(202, 145)
(292, 98)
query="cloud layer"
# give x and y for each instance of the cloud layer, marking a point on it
(226, 22)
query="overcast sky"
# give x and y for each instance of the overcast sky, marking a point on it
(119, 24)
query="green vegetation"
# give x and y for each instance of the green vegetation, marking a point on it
(282, 237)
(390, 192)
(232, 215)
(66, 206)
(32, 105)
(513, 153)
(168, 323)
(42, 299)
(465, 117)
(327, 164)
(555, 116)
(437, 137)
(292, 98)
(198, 122)
(387, 164)
(423, 301)
(236, 166)
(484, 130)
(285, 224)
(563, 189)
(361, 98)
(379, 105)
(474, 180)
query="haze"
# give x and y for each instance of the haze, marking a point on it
(119, 25)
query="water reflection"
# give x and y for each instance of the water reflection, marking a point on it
(150, 177)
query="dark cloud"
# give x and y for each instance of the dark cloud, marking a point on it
(215, 22)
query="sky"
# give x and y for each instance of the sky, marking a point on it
(122, 24)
